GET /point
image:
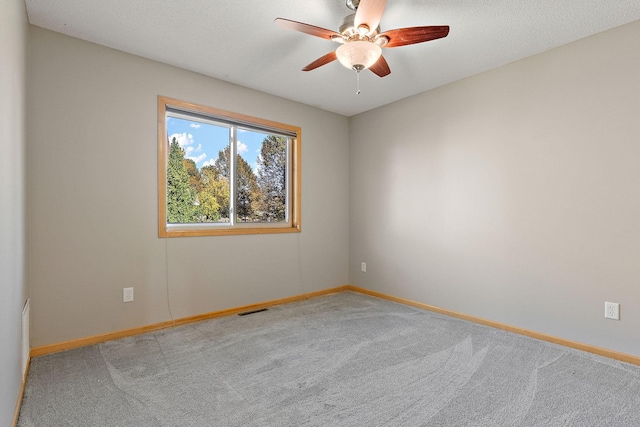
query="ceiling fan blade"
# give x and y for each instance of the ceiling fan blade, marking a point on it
(381, 68)
(369, 13)
(412, 35)
(308, 29)
(323, 60)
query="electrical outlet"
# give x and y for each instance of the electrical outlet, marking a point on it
(612, 310)
(127, 294)
(363, 267)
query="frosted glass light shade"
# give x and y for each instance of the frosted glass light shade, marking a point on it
(358, 54)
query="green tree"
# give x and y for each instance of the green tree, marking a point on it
(214, 196)
(246, 183)
(246, 190)
(271, 179)
(222, 166)
(180, 196)
(195, 178)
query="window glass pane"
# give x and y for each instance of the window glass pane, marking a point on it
(271, 178)
(247, 191)
(198, 172)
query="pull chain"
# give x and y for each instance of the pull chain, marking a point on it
(357, 68)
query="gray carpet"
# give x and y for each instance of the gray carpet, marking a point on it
(339, 360)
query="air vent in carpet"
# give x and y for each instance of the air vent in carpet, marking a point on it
(252, 312)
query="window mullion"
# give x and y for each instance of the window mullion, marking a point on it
(232, 172)
(287, 181)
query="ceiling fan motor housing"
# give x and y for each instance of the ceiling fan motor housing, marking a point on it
(349, 31)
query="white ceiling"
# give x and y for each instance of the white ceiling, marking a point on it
(237, 41)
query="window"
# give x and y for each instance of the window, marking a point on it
(225, 173)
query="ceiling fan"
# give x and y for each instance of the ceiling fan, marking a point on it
(361, 40)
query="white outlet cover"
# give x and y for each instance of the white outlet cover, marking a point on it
(612, 310)
(127, 294)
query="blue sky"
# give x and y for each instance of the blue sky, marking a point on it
(202, 142)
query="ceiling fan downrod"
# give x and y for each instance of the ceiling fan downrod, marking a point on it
(353, 4)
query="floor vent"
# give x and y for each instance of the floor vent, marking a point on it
(252, 312)
(25, 336)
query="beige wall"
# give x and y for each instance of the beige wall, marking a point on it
(513, 195)
(13, 288)
(93, 198)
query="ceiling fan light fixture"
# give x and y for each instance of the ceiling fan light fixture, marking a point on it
(358, 55)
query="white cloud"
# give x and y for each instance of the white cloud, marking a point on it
(242, 148)
(195, 125)
(209, 162)
(184, 139)
(189, 149)
(199, 158)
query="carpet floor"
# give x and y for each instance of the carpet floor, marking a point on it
(339, 360)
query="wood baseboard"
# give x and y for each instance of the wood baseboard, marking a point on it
(82, 342)
(16, 413)
(96, 339)
(623, 357)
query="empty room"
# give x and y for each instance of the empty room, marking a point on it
(320, 213)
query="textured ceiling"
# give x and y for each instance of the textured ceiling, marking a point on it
(237, 41)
